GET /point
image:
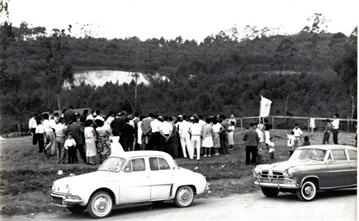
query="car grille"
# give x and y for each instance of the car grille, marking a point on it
(275, 176)
(57, 200)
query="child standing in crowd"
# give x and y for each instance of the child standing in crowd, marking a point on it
(70, 146)
(90, 141)
(230, 134)
(290, 142)
(271, 149)
(207, 134)
(306, 141)
(40, 135)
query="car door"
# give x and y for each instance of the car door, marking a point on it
(162, 178)
(135, 182)
(339, 169)
(352, 154)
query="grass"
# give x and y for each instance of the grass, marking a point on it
(26, 176)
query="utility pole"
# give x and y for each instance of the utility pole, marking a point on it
(136, 75)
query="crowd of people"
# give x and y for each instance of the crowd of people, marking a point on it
(260, 146)
(94, 136)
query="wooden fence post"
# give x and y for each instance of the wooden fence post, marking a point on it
(241, 123)
(272, 122)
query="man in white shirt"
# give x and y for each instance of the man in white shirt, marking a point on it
(196, 131)
(166, 129)
(183, 129)
(297, 134)
(155, 140)
(335, 128)
(32, 128)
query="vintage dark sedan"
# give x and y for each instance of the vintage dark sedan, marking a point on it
(309, 169)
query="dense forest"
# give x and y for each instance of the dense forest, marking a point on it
(311, 73)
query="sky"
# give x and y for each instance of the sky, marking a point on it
(191, 19)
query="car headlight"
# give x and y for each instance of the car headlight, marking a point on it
(288, 173)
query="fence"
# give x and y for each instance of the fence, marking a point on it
(287, 122)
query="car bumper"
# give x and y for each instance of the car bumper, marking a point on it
(277, 183)
(65, 200)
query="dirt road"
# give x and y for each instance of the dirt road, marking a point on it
(336, 205)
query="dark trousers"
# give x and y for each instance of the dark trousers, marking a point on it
(251, 150)
(72, 157)
(126, 144)
(223, 139)
(335, 135)
(40, 142)
(326, 137)
(82, 151)
(34, 137)
(155, 141)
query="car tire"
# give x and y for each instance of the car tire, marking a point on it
(184, 196)
(270, 192)
(308, 191)
(76, 209)
(100, 204)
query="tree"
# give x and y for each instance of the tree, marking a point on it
(59, 67)
(347, 70)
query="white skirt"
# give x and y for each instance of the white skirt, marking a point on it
(90, 147)
(116, 147)
(207, 142)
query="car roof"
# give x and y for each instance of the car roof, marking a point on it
(328, 147)
(143, 153)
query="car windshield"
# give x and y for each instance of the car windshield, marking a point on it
(308, 154)
(112, 164)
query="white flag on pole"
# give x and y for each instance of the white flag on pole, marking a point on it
(264, 107)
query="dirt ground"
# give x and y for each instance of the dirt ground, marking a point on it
(26, 176)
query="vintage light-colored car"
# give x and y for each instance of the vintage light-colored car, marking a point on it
(309, 169)
(135, 177)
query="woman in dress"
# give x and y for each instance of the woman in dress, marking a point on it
(230, 134)
(207, 134)
(90, 141)
(217, 129)
(103, 140)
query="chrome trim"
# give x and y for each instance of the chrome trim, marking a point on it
(65, 201)
(337, 187)
(277, 185)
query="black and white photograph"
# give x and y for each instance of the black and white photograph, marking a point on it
(178, 110)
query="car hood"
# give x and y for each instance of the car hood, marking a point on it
(282, 166)
(78, 181)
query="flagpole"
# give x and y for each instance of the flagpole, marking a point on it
(260, 105)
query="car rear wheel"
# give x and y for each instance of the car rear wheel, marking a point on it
(184, 196)
(308, 191)
(76, 209)
(270, 192)
(100, 204)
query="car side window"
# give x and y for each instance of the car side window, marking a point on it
(352, 154)
(339, 155)
(154, 163)
(163, 164)
(135, 165)
(138, 164)
(157, 163)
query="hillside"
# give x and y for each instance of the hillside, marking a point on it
(218, 75)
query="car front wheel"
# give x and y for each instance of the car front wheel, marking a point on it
(100, 204)
(308, 191)
(270, 192)
(184, 196)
